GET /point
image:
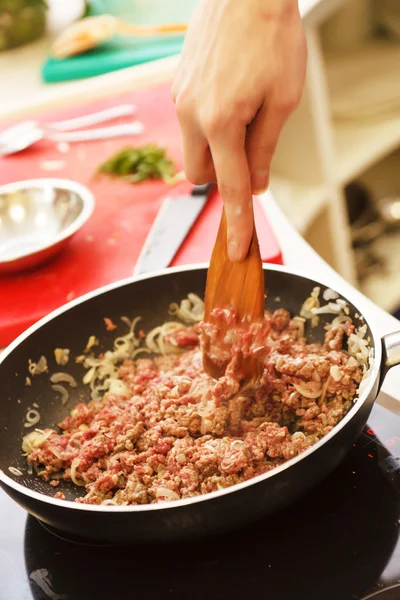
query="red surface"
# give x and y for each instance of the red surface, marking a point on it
(106, 248)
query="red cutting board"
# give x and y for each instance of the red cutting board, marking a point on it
(106, 248)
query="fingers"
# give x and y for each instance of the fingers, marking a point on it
(262, 138)
(233, 177)
(197, 158)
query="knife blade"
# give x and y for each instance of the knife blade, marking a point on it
(172, 224)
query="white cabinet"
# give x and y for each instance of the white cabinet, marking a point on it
(348, 120)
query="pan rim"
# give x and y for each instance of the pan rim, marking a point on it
(176, 504)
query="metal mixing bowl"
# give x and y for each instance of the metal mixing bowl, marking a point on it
(37, 218)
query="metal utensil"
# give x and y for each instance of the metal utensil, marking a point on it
(21, 136)
(171, 226)
(37, 218)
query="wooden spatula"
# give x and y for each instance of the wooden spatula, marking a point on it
(238, 286)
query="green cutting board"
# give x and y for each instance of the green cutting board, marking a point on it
(121, 52)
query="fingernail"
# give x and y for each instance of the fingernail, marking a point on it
(234, 251)
(259, 181)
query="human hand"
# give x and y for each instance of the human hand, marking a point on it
(240, 76)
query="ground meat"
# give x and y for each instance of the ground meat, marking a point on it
(181, 433)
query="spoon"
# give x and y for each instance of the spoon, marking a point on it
(238, 286)
(93, 31)
(25, 134)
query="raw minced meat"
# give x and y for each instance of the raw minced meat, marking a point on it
(178, 433)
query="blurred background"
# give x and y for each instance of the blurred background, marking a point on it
(336, 173)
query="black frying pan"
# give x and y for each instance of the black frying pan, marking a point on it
(150, 296)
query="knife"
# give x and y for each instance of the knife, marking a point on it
(172, 224)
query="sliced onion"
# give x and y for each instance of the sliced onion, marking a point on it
(307, 393)
(15, 471)
(324, 389)
(63, 378)
(74, 466)
(190, 310)
(60, 389)
(32, 418)
(35, 439)
(164, 492)
(89, 376)
(57, 453)
(299, 322)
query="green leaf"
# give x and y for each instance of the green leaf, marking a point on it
(139, 164)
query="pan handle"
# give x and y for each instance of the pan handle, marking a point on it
(390, 354)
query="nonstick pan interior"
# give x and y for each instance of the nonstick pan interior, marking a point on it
(71, 329)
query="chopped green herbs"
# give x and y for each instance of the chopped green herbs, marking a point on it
(140, 164)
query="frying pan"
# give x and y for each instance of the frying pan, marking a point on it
(226, 509)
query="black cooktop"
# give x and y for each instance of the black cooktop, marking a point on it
(341, 542)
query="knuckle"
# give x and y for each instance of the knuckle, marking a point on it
(174, 91)
(182, 105)
(289, 103)
(195, 176)
(211, 124)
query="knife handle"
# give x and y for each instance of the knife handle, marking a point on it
(203, 190)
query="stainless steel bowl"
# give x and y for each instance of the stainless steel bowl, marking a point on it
(37, 218)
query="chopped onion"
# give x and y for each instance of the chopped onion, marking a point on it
(28, 381)
(118, 387)
(330, 295)
(39, 367)
(63, 377)
(339, 322)
(311, 303)
(92, 341)
(60, 389)
(32, 418)
(335, 373)
(61, 355)
(299, 322)
(298, 435)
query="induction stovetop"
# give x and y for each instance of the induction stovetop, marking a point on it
(340, 542)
